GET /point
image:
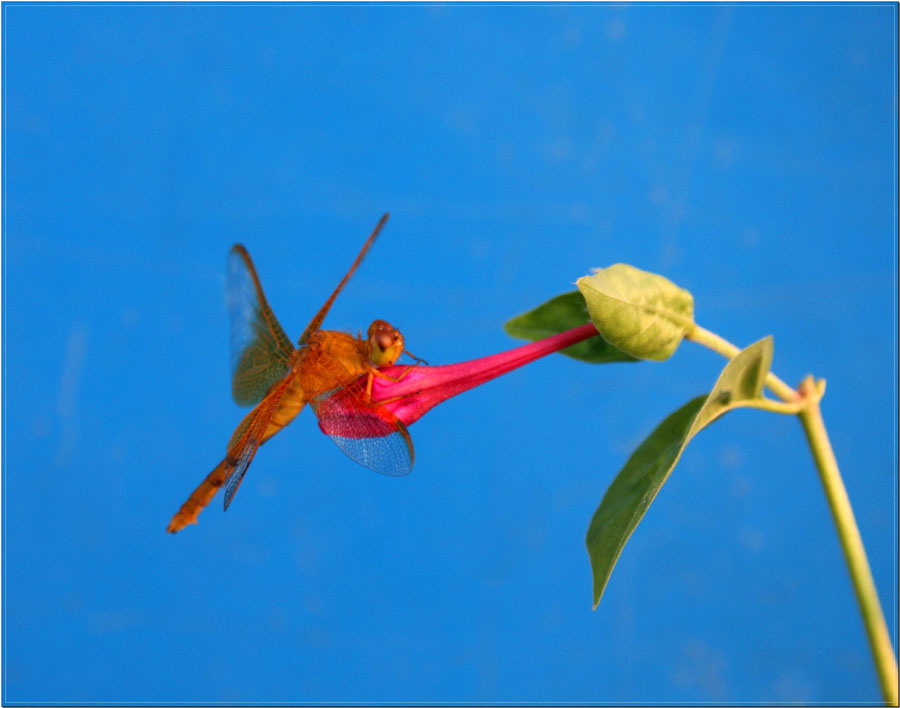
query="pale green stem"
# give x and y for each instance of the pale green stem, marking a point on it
(854, 551)
(810, 414)
(766, 404)
(729, 351)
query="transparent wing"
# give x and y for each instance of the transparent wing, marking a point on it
(260, 350)
(316, 322)
(241, 465)
(368, 434)
(246, 440)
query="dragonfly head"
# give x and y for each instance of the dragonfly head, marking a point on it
(385, 343)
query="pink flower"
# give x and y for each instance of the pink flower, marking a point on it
(420, 388)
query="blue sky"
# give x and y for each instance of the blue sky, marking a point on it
(745, 152)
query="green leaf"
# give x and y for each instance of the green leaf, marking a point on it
(562, 313)
(640, 313)
(639, 481)
(740, 383)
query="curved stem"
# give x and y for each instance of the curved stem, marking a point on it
(805, 402)
(729, 351)
(767, 404)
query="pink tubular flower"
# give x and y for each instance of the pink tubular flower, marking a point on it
(420, 388)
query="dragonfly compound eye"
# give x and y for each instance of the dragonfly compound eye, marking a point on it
(385, 343)
(383, 340)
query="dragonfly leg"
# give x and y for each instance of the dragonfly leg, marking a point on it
(373, 372)
(413, 356)
(388, 400)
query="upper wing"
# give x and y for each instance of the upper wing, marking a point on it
(260, 350)
(369, 434)
(316, 321)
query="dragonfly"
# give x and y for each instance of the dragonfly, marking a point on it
(329, 370)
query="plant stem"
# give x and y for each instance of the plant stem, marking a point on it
(810, 416)
(854, 551)
(767, 404)
(729, 351)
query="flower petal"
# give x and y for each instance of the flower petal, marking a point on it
(420, 388)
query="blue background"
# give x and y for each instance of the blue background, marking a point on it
(746, 152)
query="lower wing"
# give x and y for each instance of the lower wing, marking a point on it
(369, 434)
(244, 443)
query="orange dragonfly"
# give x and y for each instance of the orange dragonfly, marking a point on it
(279, 379)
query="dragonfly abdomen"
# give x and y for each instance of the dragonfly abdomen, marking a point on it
(291, 403)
